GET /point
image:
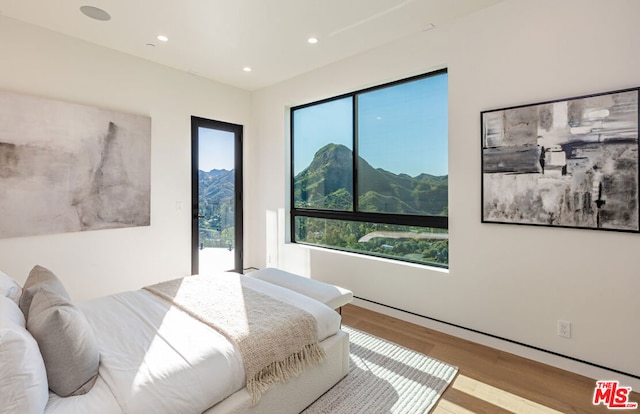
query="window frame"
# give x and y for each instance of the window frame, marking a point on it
(431, 221)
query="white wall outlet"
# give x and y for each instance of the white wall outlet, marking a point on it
(564, 329)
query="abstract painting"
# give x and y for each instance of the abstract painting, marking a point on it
(67, 167)
(565, 163)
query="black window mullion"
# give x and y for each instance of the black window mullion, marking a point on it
(356, 194)
(437, 222)
(291, 179)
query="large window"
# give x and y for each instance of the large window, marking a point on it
(370, 174)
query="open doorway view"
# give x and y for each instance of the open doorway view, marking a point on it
(216, 196)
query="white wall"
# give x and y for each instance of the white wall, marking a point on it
(511, 281)
(90, 264)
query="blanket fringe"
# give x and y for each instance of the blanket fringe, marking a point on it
(282, 371)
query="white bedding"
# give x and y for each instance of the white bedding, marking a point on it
(157, 359)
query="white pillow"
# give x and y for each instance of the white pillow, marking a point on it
(9, 288)
(23, 378)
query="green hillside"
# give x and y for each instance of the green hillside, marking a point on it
(216, 204)
(327, 184)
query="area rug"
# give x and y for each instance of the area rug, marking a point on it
(385, 377)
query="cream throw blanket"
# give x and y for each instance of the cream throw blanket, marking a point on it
(276, 340)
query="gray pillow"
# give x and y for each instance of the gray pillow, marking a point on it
(40, 278)
(67, 343)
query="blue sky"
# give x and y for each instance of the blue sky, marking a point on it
(390, 120)
(215, 150)
(319, 125)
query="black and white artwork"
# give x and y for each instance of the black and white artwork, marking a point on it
(566, 163)
(67, 167)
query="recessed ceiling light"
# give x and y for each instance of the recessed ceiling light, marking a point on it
(95, 13)
(312, 40)
(247, 69)
(162, 38)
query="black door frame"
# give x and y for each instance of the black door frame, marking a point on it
(197, 123)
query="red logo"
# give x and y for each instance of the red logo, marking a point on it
(612, 395)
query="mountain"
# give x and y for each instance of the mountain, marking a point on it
(215, 185)
(327, 182)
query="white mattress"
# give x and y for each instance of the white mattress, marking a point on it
(156, 358)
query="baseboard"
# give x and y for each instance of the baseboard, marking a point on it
(554, 360)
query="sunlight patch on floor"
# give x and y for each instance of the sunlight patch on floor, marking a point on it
(499, 398)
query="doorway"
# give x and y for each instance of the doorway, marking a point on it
(216, 195)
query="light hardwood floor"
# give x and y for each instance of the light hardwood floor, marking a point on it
(488, 381)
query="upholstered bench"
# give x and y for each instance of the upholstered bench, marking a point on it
(333, 296)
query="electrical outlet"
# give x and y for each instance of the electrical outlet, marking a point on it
(564, 329)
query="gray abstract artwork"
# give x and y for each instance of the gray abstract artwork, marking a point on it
(66, 167)
(569, 163)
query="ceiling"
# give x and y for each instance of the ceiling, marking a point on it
(216, 39)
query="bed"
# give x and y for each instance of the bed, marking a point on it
(155, 355)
